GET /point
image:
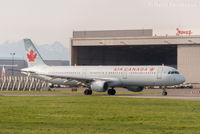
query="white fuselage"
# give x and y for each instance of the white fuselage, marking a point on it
(119, 76)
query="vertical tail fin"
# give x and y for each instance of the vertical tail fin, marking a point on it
(33, 56)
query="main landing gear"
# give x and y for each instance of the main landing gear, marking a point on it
(52, 86)
(111, 91)
(164, 93)
(88, 92)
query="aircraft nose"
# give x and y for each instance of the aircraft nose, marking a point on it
(182, 79)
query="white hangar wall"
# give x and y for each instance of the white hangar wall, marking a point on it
(137, 47)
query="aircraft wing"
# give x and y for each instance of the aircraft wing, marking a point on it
(78, 80)
(81, 81)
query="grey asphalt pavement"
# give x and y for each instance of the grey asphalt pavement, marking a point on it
(183, 94)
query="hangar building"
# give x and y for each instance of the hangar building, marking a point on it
(137, 47)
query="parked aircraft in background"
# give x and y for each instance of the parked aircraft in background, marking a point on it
(101, 78)
(3, 71)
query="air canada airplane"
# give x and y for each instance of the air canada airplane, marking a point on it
(101, 78)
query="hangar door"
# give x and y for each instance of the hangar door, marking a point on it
(127, 55)
(189, 62)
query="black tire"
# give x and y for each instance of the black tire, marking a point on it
(88, 92)
(111, 92)
(164, 93)
(51, 86)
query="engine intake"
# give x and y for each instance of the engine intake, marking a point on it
(99, 86)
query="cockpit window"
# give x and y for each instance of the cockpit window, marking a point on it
(173, 72)
(176, 72)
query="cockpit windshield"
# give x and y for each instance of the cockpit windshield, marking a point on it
(173, 72)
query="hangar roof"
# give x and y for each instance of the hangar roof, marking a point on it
(145, 40)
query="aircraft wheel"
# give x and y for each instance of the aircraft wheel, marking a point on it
(111, 92)
(51, 86)
(164, 93)
(88, 92)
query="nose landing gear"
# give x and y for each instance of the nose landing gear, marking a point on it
(164, 93)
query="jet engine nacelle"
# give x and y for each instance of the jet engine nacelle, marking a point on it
(99, 86)
(135, 88)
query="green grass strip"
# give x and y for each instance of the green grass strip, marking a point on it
(97, 115)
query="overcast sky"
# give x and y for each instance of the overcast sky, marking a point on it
(47, 21)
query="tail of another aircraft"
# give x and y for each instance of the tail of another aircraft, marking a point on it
(3, 72)
(33, 56)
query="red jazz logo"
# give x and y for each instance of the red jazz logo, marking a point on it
(31, 56)
(183, 32)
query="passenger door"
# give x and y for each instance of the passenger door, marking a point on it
(84, 71)
(124, 75)
(159, 72)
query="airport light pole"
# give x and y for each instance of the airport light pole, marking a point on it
(12, 54)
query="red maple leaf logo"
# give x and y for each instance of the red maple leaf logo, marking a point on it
(31, 56)
(152, 69)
